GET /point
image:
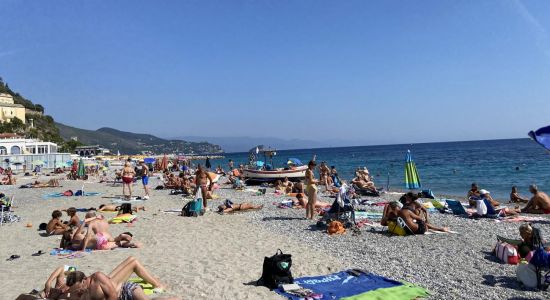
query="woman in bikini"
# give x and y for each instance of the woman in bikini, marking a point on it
(128, 174)
(311, 190)
(231, 207)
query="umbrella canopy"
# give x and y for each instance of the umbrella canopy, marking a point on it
(294, 161)
(149, 160)
(164, 163)
(412, 180)
(81, 171)
(542, 137)
(38, 163)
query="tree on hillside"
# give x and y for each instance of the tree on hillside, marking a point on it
(70, 145)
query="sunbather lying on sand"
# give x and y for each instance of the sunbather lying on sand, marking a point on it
(76, 285)
(116, 208)
(301, 202)
(98, 236)
(539, 204)
(232, 207)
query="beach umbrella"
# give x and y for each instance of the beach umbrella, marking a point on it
(38, 163)
(149, 160)
(164, 163)
(294, 161)
(81, 170)
(541, 136)
(412, 180)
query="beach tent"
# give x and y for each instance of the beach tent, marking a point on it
(412, 180)
(81, 171)
(541, 136)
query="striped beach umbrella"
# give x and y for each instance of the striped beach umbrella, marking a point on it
(412, 180)
(81, 170)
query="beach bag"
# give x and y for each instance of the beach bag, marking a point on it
(276, 270)
(194, 208)
(394, 228)
(336, 227)
(507, 253)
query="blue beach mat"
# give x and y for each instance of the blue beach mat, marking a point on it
(344, 285)
(61, 195)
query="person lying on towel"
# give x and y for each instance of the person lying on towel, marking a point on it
(229, 206)
(416, 216)
(301, 202)
(67, 282)
(116, 208)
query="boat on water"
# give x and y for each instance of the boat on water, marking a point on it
(260, 166)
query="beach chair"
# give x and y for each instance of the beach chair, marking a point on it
(6, 214)
(456, 207)
(491, 211)
(341, 209)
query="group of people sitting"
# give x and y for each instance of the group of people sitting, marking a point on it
(410, 210)
(481, 200)
(92, 232)
(364, 181)
(286, 186)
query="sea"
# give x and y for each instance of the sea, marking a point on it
(447, 168)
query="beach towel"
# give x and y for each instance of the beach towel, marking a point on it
(370, 215)
(66, 194)
(437, 204)
(123, 219)
(120, 201)
(147, 288)
(456, 207)
(353, 285)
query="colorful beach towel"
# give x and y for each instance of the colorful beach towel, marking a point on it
(65, 194)
(349, 286)
(126, 218)
(370, 215)
(147, 287)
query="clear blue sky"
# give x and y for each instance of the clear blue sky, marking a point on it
(372, 71)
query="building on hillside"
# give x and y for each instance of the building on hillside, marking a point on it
(91, 150)
(20, 153)
(10, 110)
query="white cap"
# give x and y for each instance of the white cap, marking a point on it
(483, 192)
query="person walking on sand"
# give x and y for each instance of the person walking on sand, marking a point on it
(201, 182)
(128, 174)
(145, 178)
(539, 204)
(311, 190)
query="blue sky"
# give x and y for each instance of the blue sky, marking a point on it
(366, 71)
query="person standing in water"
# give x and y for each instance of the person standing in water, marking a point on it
(207, 163)
(311, 190)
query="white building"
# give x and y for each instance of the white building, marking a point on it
(20, 153)
(26, 146)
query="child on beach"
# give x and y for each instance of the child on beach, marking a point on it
(55, 226)
(74, 221)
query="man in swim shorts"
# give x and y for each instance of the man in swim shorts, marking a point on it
(145, 178)
(539, 204)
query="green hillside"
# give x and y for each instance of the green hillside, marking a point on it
(132, 143)
(46, 129)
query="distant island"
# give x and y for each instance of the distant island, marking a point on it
(21, 117)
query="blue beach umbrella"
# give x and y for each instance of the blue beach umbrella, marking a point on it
(541, 136)
(294, 161)
(412, 180)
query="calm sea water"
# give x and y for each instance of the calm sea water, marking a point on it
(446, 168)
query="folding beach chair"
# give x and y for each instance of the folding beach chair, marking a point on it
(6, 214)
(456, 207)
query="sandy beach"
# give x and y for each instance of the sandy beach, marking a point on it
(220, 256)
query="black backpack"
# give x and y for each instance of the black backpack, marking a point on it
(186, 210)
(276, 270)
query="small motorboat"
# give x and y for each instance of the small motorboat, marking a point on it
(259, 170)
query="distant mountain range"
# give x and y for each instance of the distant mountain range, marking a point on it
(132, 143)
(243, 144)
